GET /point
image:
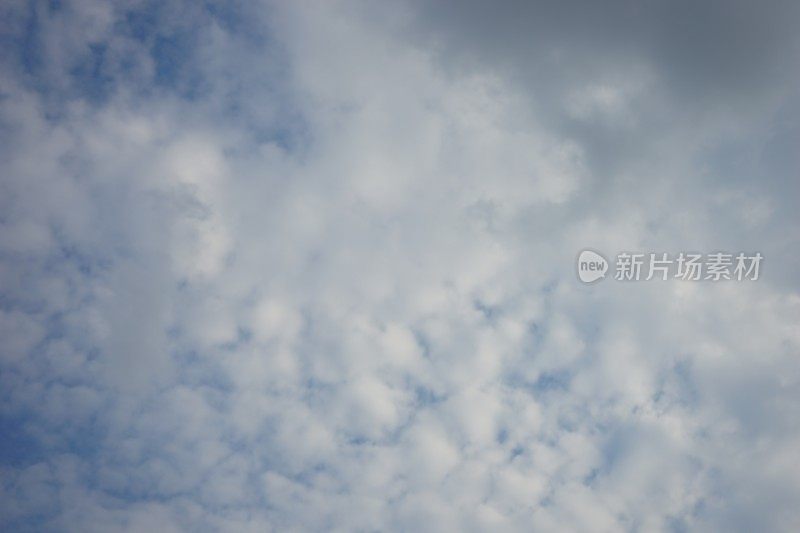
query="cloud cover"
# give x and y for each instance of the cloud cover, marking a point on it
(309, 266)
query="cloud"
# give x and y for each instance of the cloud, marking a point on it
(271, 267)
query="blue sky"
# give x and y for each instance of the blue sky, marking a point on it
(271, 266)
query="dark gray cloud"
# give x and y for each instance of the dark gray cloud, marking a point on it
(701, 51)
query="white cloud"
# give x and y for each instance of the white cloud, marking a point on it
(321, 277)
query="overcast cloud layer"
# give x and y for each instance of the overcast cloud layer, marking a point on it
(308, 266)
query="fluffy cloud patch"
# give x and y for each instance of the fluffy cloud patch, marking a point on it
(290, 267)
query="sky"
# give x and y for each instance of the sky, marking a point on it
(311, 266)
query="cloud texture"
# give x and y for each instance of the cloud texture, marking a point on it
(310, 266)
